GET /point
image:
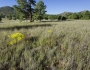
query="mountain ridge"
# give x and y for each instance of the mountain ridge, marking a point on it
(6, 10)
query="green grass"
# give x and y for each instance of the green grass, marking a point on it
(66, 47)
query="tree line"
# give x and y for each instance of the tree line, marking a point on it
(30, 10)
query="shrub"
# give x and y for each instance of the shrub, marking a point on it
(0, 19)
(63, 18)
(16, 37)
(9, 16)
(59, 18)
(14, 18)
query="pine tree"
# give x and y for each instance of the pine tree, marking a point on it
(25, 8)
(40, 9)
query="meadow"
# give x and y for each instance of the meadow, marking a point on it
(63, 45)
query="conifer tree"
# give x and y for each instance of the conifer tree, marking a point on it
(25, 8)
(40, 9)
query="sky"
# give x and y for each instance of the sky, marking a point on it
(57, 6)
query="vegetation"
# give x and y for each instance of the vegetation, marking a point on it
(15, 38)
(56, 43)
(24, 8)
(52, 17)
(9, 16)
(40, 10)
(0, 18)
(4, 11)
(46, 46)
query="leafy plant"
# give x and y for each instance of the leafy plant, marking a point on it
(0, 19)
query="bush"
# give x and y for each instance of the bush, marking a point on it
(63, 18)
(46, 18)
(59, 18)
(14, 18)
(0, 19)
(9, 16)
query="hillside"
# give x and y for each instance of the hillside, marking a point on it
(6, 10)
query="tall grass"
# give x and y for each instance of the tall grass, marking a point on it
(65, 47)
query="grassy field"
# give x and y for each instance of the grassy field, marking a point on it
(63, 45)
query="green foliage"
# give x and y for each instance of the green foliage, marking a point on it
(9, 16)
(86, 15)
(63, 18)
(20, 13)
(68, 14)
(59, 18)
(40, 10)
(52, 17)
(0, 18)
(45, 17)
(74, 16)
(14, 17)
(35, 17)
(25, 7)
(80, 15)
(2, 15)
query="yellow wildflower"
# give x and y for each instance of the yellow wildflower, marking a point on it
(16, 37)
(49, 31)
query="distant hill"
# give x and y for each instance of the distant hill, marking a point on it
(6, 10)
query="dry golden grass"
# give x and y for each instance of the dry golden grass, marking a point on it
(63, 45)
